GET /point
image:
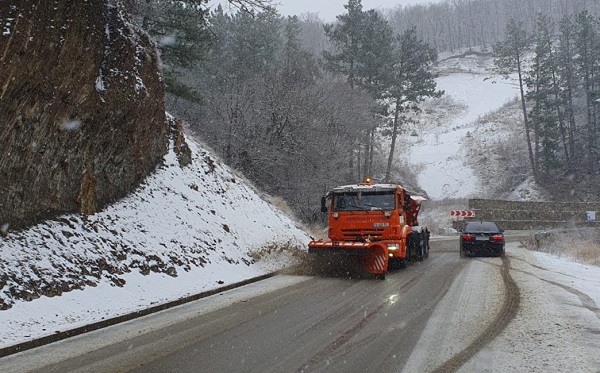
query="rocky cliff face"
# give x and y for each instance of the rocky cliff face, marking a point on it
(82, 117)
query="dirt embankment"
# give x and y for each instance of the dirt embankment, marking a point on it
(82, 117)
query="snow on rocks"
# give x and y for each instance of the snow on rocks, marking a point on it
(184, 231)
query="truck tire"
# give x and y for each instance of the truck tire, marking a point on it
(421, 249)
(427, 247)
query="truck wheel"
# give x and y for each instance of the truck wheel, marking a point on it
(425, 234)
(380, 276)
(422, 250)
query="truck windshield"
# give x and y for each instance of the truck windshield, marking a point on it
(363, 201)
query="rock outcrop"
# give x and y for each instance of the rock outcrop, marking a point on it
(82, 118)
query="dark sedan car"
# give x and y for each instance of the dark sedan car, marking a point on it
(481, 238)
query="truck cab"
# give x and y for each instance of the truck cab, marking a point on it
(377, 221)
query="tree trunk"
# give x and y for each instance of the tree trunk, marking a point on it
(393, 144)
(372, 142)
(526, 122)
(359, 164)
(351, 166)
(561, 119)
(368, 157)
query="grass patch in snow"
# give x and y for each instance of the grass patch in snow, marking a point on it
(578, 245)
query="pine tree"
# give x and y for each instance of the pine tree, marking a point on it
(179, 30)
(375, 59)
(346, 36)
(364, 43)
(509, 56)
(543, 101)
(409, 81)
(375, 54)
(567, 85)
(588, 64)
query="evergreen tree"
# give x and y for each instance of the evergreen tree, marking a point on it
(244, 56)
(375, 54)
(588, 63)
(509, 57)
(543, 101)
(299, 66)
(347, 37)
(567, 84)
(376, 57)
(409, 81)
(179, 29)
(364, 43)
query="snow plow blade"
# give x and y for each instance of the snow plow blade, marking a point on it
(373, 257)
(347, 248)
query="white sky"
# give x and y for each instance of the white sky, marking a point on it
(329, 9)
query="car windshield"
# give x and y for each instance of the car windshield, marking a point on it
(481, 227)
(366, 201)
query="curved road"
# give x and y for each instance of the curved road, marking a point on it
(304, 324)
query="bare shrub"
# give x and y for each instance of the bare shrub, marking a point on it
(579, 245)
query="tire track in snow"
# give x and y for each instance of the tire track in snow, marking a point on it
(586, 300)
(507, 314)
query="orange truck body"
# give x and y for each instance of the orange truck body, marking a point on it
(377, 223)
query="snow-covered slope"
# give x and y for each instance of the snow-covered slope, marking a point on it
(439, 149)
(186, 230)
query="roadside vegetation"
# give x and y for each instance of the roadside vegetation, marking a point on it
(580, 245)
(266, 91)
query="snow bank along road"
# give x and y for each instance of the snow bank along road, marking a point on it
(445, 314)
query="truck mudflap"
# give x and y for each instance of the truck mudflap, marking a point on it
(374, 256)
(376, 261)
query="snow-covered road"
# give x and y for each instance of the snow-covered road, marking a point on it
(556, 328)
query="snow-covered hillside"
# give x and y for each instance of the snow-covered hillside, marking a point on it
(440, 146)
(186, 230)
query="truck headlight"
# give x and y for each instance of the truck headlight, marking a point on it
(393, 246)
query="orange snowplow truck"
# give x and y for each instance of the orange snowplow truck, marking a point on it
(377, 223)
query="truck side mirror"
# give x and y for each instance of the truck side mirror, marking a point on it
(406, 206)
(323, 204)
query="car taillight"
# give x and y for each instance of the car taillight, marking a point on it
(468, 237)
(497, 237)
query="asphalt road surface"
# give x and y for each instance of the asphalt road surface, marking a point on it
(296, 323)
